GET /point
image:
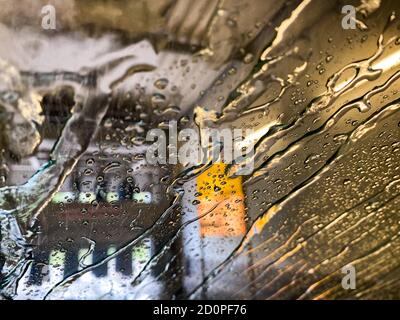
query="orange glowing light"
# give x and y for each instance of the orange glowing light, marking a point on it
(215, 189)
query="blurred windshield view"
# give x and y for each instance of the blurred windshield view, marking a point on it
(308, 209)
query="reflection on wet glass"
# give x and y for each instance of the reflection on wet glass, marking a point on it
(84, 215)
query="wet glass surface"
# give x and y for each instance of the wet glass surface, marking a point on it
(83, 213)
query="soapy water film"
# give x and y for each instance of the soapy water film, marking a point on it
(83, 216)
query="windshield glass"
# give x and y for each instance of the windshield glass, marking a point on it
(171, 149)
